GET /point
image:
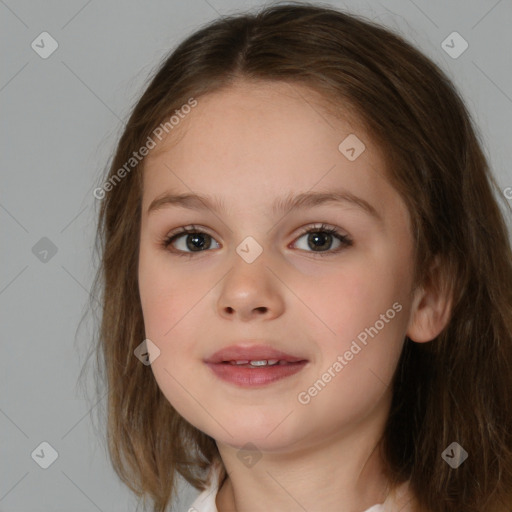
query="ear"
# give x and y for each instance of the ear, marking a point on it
(431, 307)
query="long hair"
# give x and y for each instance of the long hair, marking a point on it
(456, 388)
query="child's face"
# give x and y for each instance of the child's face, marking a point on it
(248, 147)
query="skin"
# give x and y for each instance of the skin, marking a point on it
(249, 145)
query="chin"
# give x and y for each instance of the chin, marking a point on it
(270, 436)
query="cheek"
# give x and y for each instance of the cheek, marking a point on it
(165, 296)
(169, 316)
(155, 295)
(360, 349)
(162, 302)
(353, 297)
(172, 306)
(360, 314)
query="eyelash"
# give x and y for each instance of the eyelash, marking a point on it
(345, 240)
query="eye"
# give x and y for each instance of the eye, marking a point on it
(190, 239)
(320, 239)
(194, 241)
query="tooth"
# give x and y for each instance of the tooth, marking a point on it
(261, 362)
(258, 363)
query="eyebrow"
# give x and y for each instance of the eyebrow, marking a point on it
(301, 201)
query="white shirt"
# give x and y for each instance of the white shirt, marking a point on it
(205, 502)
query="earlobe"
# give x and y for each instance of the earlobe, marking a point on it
(431, 307)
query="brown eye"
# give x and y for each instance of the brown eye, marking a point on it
(320, 240)
(188, 241)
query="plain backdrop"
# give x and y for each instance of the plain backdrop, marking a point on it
(61, 117)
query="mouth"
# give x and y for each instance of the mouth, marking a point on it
(260, 363)
(257, 365)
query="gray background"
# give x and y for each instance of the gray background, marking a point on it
(61, 118)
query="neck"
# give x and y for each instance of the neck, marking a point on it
(341, 471)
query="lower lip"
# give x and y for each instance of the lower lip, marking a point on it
(250, 377)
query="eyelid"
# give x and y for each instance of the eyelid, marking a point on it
(190, 228)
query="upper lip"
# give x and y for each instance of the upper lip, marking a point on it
(251, 353)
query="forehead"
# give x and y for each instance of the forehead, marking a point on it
(263, 140)
(247, 111)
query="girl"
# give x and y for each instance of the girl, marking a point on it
(306, 278)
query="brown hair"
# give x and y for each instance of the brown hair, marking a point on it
(457, 387)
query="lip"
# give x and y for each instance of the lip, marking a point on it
(251, 377)
(251, 353)
(258, 376)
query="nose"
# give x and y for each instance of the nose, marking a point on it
(250, 291)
